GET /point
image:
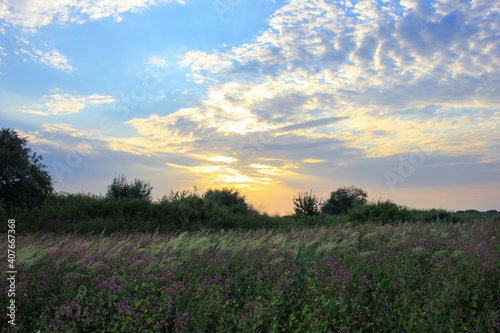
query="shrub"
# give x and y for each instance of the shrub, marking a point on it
(380, 212)
(23, 182)
(120, 189)
(438, 215)
(388, 212)
(184, 210)
(306, 204)
(343, 200)
(229, 198)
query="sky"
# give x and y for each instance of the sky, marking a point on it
(399, 98)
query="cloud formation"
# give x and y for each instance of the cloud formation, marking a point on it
(51, 58)
(32, 15)
(62, 104)
(156, 61)
(344, 81)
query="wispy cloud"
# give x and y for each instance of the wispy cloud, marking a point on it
(61, 137)
(224, 159)
(61, 104)
(36, 14)
(51, 58)
(313, 161)
(156, 61)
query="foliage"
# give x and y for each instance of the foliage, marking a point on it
(187, 211)
(344, 199)
(120, 189)
(180, 211)
(306, 204)
(437, 215)
(380, 212)
(405, 277)
(383, 212)
(23, 180)
(229, 198)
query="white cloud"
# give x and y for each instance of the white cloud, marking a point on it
(224, 159)
(32, 15)
(313, 161)
(64, 137)
(155, 61)
(52, 59)
(201, 62)
(60, 104)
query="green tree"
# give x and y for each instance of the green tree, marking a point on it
(306, 204)
(23, 180)
(120, 189)
(344, 199)
(227, 197)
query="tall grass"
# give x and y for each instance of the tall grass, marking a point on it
(419, 277)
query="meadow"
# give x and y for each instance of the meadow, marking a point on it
(343, 277)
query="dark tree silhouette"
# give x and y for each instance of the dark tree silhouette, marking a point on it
(23, 180)
(230, 198)
(306, 204)
(120, 189)
(344, 199)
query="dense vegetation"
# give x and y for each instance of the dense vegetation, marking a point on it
(432, 277)
(188, 211)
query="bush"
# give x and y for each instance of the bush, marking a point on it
(437, 215)
(186, 211)
(381, 212)
(229, 198)
(23, 182)
(343, 200)
(120, 189)
(306, 204)
(388, 212)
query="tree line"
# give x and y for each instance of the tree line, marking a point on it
(26, 185)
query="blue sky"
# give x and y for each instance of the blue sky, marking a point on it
(399, 98)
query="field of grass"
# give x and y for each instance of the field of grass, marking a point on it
(411, 277)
